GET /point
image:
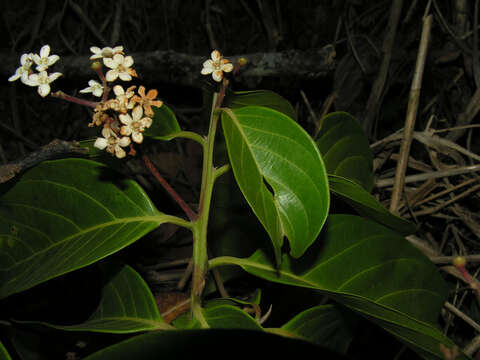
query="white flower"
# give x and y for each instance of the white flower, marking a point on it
(112, 143)
(134, 125)
(120, 67)
(106, 52)
(123, 97)
(216, 66)
(44, 60)
(42, 80)
(23, 71)
(94, 87)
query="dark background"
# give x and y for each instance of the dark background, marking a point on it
(190, 30)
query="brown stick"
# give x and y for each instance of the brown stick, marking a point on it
(55, 149)
(378, 85)
(190, 213)
(411, 115)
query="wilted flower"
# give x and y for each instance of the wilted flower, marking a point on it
(23, 71)
(44, 60)
(216, 66)
(94, 87)
(134, 125)
(148, 100)
(112, 143)
(120, 67)
(42, 80)
(106, 52)
(123, 98)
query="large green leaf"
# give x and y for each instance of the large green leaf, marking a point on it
(345, 148)
(126, 306)
(367, 205)
(281, 174)
(211, 343)
(66, 214)
(264, 98)
(372, 270)
(325, 325)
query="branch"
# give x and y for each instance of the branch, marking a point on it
(184, 69)
(53, 150)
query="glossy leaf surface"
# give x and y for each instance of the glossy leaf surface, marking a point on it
(66, 214)
(126, 306)
(214, 343)
(373, 271)
(281, 174)
(265, 98)
(367, 205)
(345, 149)
(164, 124)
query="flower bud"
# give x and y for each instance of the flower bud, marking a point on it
(96, 65)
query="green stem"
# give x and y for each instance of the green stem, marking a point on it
(191, 135)
(200, 256)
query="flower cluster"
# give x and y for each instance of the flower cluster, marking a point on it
(125, 116)
(41, 78)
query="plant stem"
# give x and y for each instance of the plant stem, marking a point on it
(190, 213)
(200, 256)
(61, 95)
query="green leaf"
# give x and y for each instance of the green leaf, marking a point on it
(281, 174)
(66, 214)
(213, 343)
(265, 98)
(325, 325)
(372, 270)
(345, 149)
(127, 305)
(367, 205)
(4, 353)
(164, 125)
(220, 314)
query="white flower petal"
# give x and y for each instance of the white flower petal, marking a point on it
(15, 76)
(128, 61)
(109, 63)
(227, 67)
(125, 119)
(53, 59)
(45, 51)
(216, 55)
(95, 49)
(217, 75)
(98, 92)
(137, 113)
(124, 76)
(118, 90)
(33, 80)
(111, 75)
(100, 143)
(44, 90)
(137, 137)
(54, 76)
(119, 152)
(125, 130)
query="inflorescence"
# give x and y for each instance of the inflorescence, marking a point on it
(125, 116)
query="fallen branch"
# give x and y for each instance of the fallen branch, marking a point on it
(184, 69)
(53, 150)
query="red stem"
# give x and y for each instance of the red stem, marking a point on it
(190, 213)
(63, 96)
